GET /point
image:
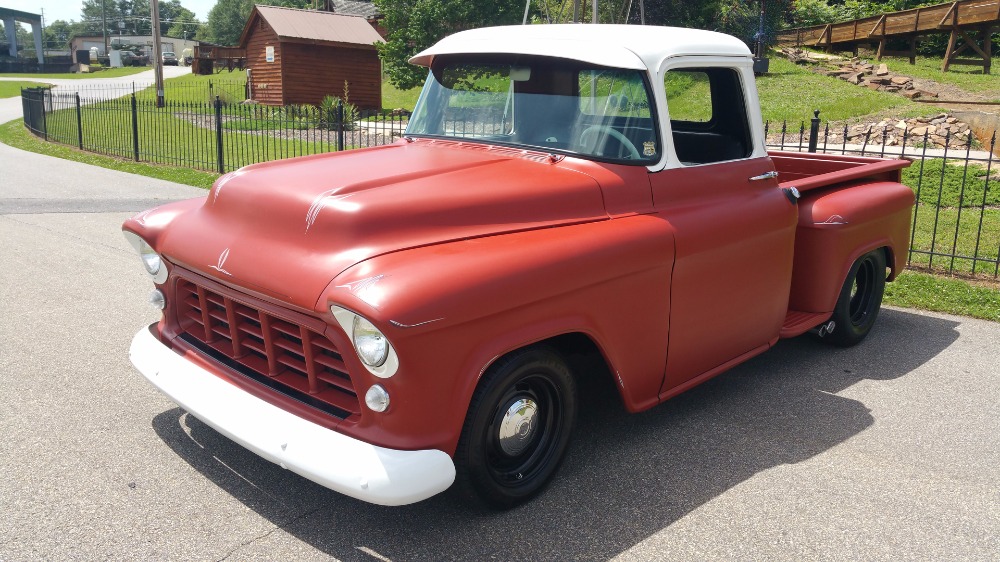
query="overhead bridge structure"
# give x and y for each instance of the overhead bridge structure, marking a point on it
(970, 24)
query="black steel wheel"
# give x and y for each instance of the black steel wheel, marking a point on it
(860, 300)
(517, 428)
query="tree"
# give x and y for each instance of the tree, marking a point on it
(91, 16)
(414, 25)
(175, 19)
(58, 33)
(227, 18)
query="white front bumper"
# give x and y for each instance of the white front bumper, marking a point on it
(333, 460)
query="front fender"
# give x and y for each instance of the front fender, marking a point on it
(450, 310)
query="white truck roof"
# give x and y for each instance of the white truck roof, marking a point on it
(622, 46)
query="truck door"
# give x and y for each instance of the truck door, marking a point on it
(734, 228)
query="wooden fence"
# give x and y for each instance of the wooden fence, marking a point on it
(969, 22)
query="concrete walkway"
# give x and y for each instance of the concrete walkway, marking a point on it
(34, 183)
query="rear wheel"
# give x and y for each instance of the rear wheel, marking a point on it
(517, 428)
(860, 300)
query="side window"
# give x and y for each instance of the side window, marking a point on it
(689, 95)
(614, 93)
(615, 115)
(708, 115)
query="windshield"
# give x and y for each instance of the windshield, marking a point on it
(540, 103)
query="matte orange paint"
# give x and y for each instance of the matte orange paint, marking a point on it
(462, 252)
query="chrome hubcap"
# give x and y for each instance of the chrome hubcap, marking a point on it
(517, 429)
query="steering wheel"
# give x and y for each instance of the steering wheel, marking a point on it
(594, 129)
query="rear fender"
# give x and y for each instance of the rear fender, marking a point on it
(839, 225)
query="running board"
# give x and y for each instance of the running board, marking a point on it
(798, 322)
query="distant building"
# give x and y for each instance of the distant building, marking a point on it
(168, 44)
(301, 56)
(367, 10)
(10, 20)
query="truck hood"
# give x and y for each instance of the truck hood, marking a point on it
(285, 229)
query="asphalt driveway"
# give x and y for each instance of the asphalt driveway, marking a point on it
(888, 451)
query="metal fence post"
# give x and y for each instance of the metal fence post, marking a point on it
(45, 128)
(218, 134)
(340, 125)
(814, 131)
(79, 123)
(135, 129)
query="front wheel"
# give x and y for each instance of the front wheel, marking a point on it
(860, 300)
(517, 428)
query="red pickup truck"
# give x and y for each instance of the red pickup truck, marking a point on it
(387, 321)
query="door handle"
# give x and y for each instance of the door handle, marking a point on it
(765, 176)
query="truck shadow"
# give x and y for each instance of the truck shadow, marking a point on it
(626, 476)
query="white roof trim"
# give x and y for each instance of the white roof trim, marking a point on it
(621, 46)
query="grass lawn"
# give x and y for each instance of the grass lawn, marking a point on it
(969, 78)
(13, 89)
(944, 294)
(789, 92)
(394, 98)
(106, 73)
(230, 87)
(953, 199)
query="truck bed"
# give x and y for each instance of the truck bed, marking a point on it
(807, 171)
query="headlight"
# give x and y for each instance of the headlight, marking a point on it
(150, 259)
(373, 348)
(370, 344)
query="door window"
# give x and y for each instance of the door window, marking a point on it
(708, 117)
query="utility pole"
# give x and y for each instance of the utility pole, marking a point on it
(593, 12)
(154, 8)
(104, 29)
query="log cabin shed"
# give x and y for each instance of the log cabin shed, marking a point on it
(301, 56)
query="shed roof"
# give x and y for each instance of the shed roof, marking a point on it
(308, 26)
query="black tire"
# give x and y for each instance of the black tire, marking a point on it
(531, 394)
(860, 299)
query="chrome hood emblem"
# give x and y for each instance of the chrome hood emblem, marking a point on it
(220, 267)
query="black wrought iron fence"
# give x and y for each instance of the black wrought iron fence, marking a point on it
(217, 135)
